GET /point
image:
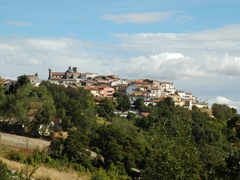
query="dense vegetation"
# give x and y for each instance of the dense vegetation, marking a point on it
(172, 142)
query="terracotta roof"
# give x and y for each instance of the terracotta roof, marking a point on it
(154, 88)
(60, 73)
(87, 87)
(141, 82)
(145, 114)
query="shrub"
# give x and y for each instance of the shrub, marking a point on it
(12, 155)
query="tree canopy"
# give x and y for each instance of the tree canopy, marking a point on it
(170, 142)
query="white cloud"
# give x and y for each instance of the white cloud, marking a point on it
(225, 39)
(205, 62)
(223, 100)
(169, 56)
(19, 23)
(139, 17)
(28, 55)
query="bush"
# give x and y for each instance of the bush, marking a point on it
(4, 172)
(101, 174)
(14, 156)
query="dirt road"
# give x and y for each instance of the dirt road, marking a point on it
(22, 142)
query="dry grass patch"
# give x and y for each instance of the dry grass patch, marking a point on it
(44, 172)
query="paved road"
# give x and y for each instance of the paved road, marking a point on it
(22, 142)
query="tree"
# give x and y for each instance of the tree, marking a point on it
(118, 146)
(228, 171)
(20, 102)
(3, 98)
(169, 101)
(106, 108)
(1, 81)
(87, 121)
(123, 101)
(66, 120)
(56, 147)
(234, 124)
(139, 103)
(76, 148)
(171, 154)
(22, 80)
(222, 111)
(233, 165)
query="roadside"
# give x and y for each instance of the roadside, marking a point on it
(22, 142)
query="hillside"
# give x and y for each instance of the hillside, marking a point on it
(26, 145)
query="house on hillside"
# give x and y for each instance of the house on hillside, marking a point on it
(181, 94)
(133, 97)
(101, 91)
(120, 88)
(136, 85)
(153, 82)
(168, 87)
(88, 75)
(200, 104)
(34, 79)
(120, 82)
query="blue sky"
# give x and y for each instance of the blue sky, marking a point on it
(193, 43)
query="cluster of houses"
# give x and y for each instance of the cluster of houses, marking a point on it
(151, 90)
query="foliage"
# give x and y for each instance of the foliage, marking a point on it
(222, 111)
(5, 173)
(106, 108)
(75, 147)
(110, 174)
(234, 125)
(172, 142)
(56, 148)
(12, 155)
(118, 147)
(171, 154)
(139, 104)
(232, 165)
(123, 101)
(70, 103)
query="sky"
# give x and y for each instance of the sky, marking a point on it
(194, 44)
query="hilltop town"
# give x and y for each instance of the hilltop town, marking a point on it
(151, 90)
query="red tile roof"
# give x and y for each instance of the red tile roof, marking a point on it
(145, 114)
(60, 73)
